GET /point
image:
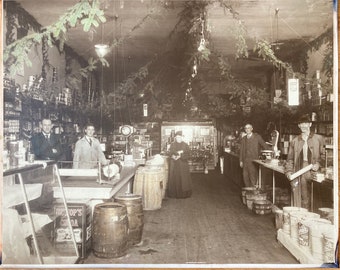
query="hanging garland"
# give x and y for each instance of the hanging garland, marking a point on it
(45, 65)
(87, 12)
(192, 25)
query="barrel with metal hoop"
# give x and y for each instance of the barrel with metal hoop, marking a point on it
(110, 230)
(134, 207)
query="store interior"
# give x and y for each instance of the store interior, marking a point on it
(140, 72)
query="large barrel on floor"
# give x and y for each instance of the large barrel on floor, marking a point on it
(166, 177)
(134, 207)
(149, 184)
(110, 230)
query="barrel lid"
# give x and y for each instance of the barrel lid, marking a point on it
(128, 196)
(249, 188)
(262, 202)
(108, 205)
(304, 214)
(314, 222)
(294, 208)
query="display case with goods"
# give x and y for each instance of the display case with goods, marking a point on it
(28, 208)
(154, 131)
(202, 140)
(329, 161)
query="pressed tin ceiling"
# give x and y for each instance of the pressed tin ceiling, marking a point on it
(273, 20)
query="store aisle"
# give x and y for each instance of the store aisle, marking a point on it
(211, 227)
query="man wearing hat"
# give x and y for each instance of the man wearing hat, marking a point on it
(179, 185)
(304, 149)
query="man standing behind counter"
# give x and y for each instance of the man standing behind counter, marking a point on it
(87, 152)
(45, 144)
(249, 151)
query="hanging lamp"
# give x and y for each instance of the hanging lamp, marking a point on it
(101, 49)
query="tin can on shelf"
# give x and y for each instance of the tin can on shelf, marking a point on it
(13, 151)
(30, 158)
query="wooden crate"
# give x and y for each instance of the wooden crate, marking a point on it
(80, 216)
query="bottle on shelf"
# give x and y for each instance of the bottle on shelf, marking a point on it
(17, 99)
(29, 153)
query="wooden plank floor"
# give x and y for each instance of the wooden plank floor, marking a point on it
(211, 227)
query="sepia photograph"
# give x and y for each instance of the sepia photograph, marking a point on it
(169, 134)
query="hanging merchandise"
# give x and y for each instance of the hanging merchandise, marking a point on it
(201, 47)
(145, 110)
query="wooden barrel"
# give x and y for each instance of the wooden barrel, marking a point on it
(249, 190)
(166, 176)
(262, 207)
(149, 184)
(134, 207)
(250, 198)
(110, 230)
(278, 219)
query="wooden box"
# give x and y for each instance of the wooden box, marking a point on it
(80, 216)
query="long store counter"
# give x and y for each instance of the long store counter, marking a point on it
(87, 187)
(34, 206)
(272, 177)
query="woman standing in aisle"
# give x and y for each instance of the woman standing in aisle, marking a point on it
(179, 185)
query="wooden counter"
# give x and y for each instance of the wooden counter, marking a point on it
(321, 193)
(28, 167)
(274, 170)
(86, 188)
(28, 211)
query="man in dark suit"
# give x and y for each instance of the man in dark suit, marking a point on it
(251, 146)
(45, 144)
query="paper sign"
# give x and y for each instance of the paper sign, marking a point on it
(300, 172)
(293, 92)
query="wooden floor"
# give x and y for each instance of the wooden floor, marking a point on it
(211, 227)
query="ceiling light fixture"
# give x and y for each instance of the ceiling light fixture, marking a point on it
(101, 49)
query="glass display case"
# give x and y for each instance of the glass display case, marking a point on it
(30, 231)
(201, 138)
(329, 162)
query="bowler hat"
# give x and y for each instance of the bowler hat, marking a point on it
(304, 119)
(178, 133)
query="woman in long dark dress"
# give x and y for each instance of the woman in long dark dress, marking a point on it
(179, 185)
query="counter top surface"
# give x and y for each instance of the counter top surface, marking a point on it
(28, 166)
(88, 187)
(274, 167)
